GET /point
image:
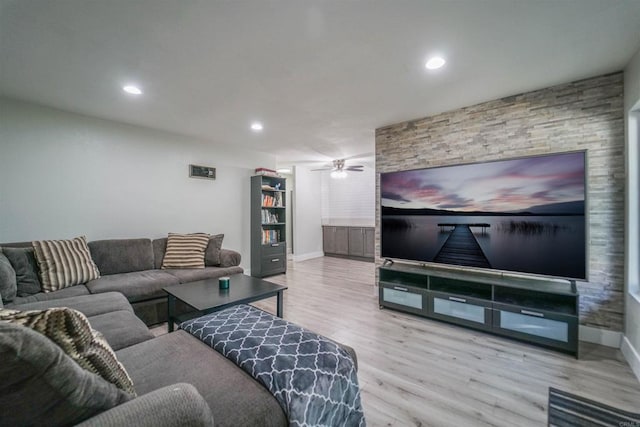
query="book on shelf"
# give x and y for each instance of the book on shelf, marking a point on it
(269, 217)
(270, 236)
(272, 201)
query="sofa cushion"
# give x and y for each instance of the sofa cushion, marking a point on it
(229, 258)
(175, 405)
(159, 248)
(121, 328)
(136, 286)
(8, 282)
(235, 398)
(122, 255)
(185, 250)
(71, 331)
(212, 253)
(109, 313)
(64, 263)
(193, 274)
(23, 261)
(51, 296)
(41, 385)
(89, 305)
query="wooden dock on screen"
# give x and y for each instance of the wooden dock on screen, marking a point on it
(461, 247)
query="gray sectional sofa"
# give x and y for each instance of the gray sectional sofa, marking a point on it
(133, 268)
(178, 379)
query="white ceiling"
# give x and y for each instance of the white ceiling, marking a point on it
(321, 75)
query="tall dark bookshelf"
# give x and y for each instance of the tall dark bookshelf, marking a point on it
(268, 226)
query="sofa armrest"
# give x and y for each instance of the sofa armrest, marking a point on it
(229, 258)
(174, 405)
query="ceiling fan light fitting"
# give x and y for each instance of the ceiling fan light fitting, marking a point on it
(339, 174)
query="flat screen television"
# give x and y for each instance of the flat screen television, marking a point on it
(522, 215)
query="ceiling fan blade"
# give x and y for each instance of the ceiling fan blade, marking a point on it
(321, 169)
(354, 168)
(360, 156)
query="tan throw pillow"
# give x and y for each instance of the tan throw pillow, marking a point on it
(185, 250)
(64, 263)
(71, 331)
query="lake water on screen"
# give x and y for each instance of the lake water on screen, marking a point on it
(550, 245)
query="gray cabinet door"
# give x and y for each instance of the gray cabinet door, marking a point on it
(369, 242)
(341, 236)
(356, 241)
(329, 240)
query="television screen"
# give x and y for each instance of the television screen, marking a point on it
(523, 215)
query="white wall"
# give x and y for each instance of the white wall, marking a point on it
(63, 175)
(631, 340)
(307, 225)
(349, 200)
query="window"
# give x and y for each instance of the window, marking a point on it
(633, 205)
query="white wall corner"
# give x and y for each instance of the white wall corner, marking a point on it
(304, 257)
(600, 336)
(632, 356)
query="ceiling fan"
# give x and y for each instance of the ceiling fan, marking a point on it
(339, 169)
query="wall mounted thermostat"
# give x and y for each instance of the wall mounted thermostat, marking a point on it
(207, 172)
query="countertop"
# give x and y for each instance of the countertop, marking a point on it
(344, 222)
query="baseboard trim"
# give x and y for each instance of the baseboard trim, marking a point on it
(632, 356)
(600, 336)
(304, 257)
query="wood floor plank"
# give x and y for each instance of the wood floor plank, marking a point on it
(421, 372)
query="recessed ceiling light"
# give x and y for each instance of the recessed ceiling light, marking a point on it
(435, 63)
(133, 90)
(256, 126)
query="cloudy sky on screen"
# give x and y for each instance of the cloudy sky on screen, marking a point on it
(503, 186)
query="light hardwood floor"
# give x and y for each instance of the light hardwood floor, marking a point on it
(420, 372)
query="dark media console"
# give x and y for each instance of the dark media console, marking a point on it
(539, 311)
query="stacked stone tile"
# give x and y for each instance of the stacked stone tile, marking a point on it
(583, 115)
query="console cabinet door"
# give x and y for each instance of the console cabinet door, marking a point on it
(471, 312)
(335, 240)
(405, 298)
(341, 240)
(538, 326)
(329, 240)
(369, 242)
(356, 241)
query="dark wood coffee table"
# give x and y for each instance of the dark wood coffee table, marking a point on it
(205, 296)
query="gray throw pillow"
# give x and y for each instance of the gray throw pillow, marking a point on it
(23, 261)
(8, 283)
(41, 385)
(212, 253)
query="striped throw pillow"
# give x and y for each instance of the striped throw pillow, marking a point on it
(71, 331)
(185, 250)
(64, 263)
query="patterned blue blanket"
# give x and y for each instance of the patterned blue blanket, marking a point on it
(312, 378)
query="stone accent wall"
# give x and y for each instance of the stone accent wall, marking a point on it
(583, 115)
